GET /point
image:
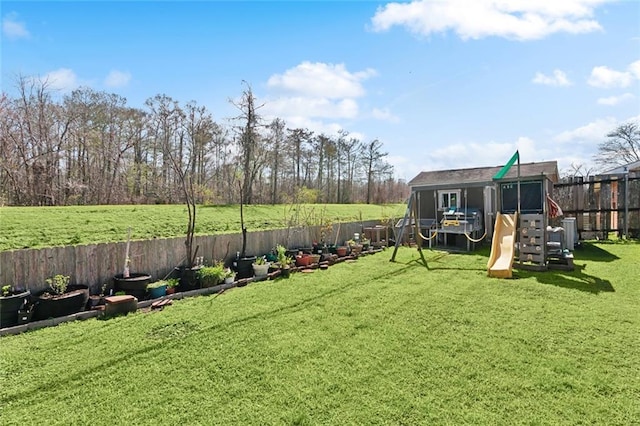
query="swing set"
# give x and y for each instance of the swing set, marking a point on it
(451, 223)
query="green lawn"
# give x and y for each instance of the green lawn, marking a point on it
(37, 227)
(369, 342)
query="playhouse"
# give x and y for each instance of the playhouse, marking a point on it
(460, 205)
(507, 205)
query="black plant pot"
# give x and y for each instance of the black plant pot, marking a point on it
(135, 285)
(9, 306)
(244, 267)
(74, 300)
(188, 277)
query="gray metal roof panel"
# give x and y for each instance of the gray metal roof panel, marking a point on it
(483, 174)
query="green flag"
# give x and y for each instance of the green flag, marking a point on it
(505, 169)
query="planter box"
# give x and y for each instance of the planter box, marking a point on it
(69, 303)
(9, 307)
(135, 285)
(261, 271)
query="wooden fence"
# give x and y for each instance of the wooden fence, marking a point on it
(601, 204)
(96, 264)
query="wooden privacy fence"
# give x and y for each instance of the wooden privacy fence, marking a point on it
(601, 204)
(96, 264)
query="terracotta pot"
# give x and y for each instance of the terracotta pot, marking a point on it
(303, 260)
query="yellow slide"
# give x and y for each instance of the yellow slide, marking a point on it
(502, 246)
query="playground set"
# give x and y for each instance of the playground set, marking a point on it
(521, 235)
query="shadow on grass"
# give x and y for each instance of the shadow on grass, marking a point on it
(435, 258)
(590, 252)
(576, 279)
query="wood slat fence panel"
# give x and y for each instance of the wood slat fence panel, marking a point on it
(598, 204)
(96, 264)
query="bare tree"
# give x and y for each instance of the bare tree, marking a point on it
(349, 152)
(277, 141)
(622, 146)
(375, 166)
(89, 147)
(251, 156)
(298, 138)
(577, 170)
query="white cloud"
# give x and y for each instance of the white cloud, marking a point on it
(634, 68)
(474, 19)
(605, 77)
(384, 114)
(14, 29)
(309, 93)
(404, 167)
(474, 154)
(312, 107)
(596, 131)
(559, 78)
(316, 126)
(615, 100)
(62, 79)
(117, 79)
(321, 80)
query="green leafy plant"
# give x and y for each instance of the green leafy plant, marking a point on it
(216, 271)
(261, 260)
(211, 275)
(172, 282)
(58, 283)
(228, 273)
(157, 284)
(6, 290)
(283, 260)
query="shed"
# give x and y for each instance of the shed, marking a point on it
(472, 192)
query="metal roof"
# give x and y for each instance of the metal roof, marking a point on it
(483, 175)
(631, 167)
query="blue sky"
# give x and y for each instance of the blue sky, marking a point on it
(443, 84)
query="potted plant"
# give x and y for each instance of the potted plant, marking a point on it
(172, 285)
(243, 264)
(355, 247)
(157, 289)
(303, 259)
(261, 267)
(131, 283)
(11, 301)
(229, 276)
(185, 173)
(98, 299)
(284, 261)
(61, 298)
(210, 276)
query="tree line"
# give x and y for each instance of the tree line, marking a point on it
(91, 148)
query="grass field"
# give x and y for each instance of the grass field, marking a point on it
(370, 342)
(36, 227)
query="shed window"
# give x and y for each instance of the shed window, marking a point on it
(448, 199)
